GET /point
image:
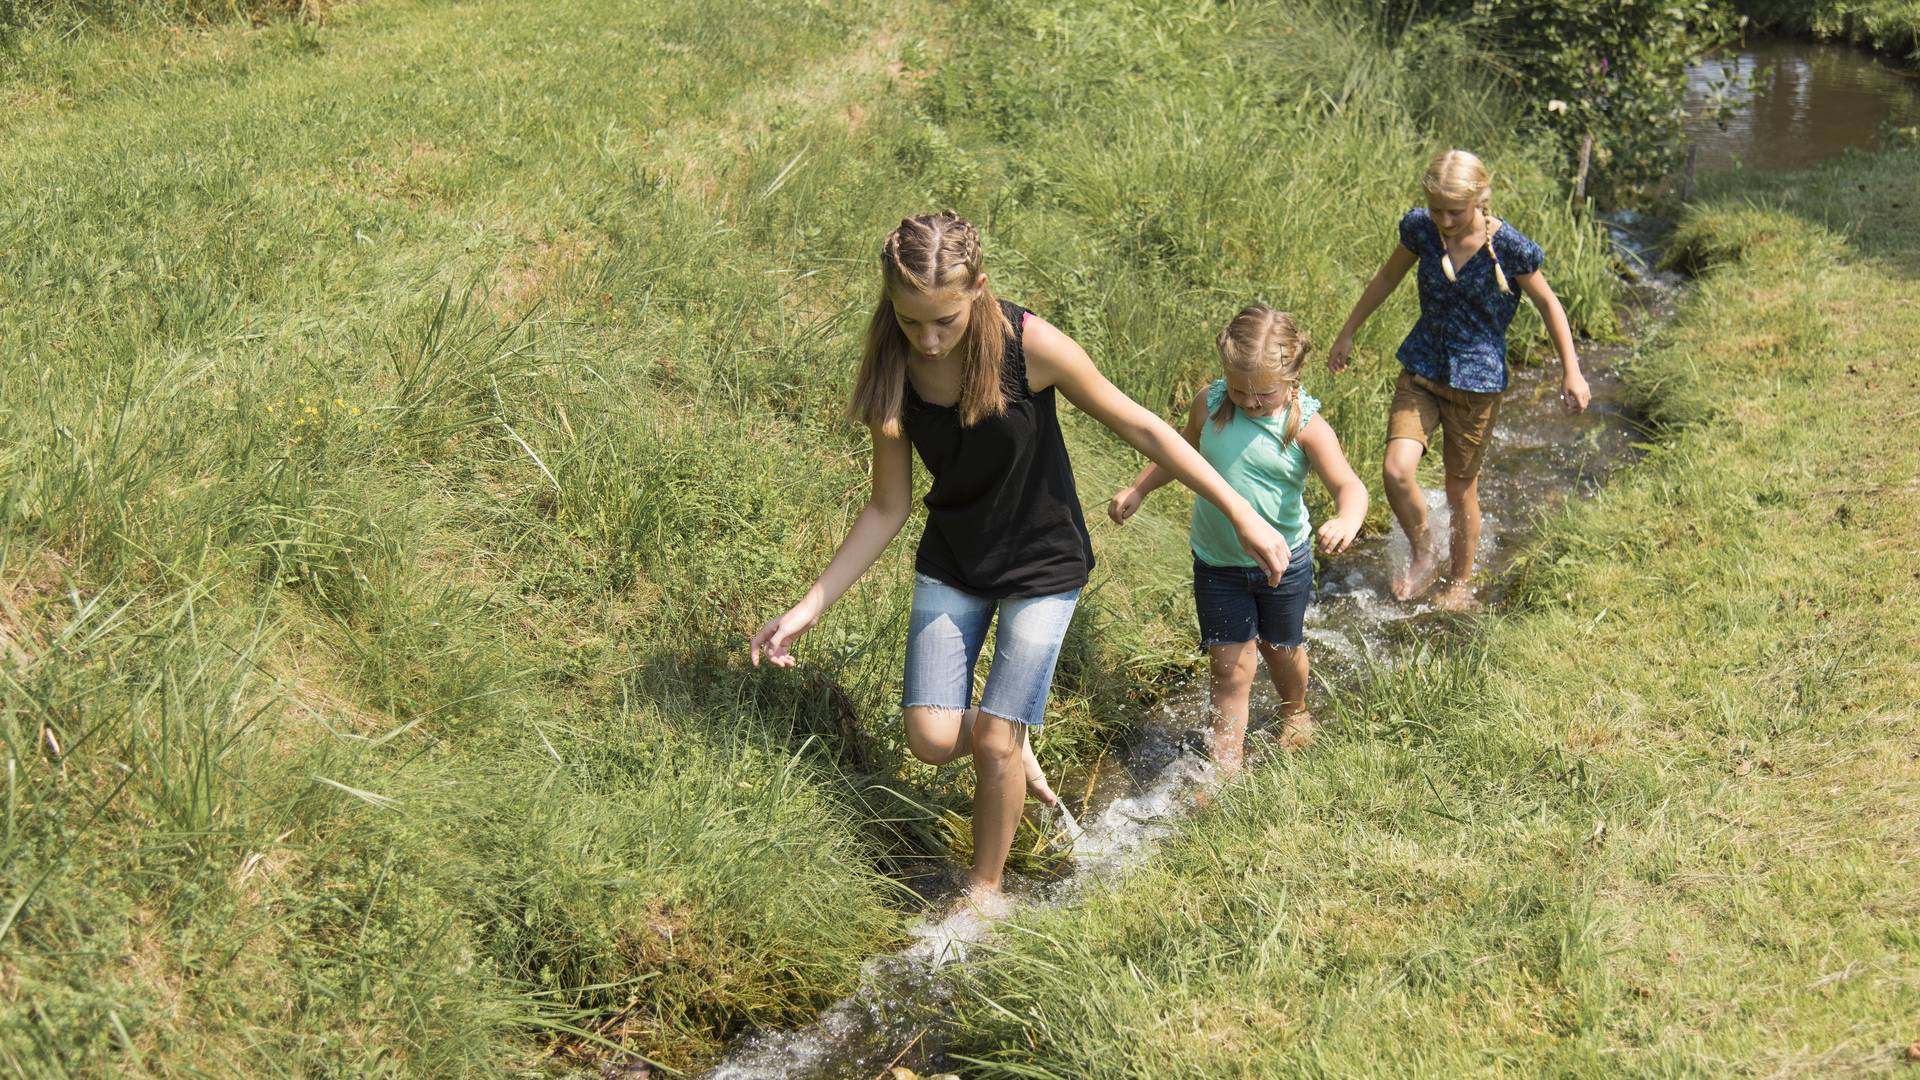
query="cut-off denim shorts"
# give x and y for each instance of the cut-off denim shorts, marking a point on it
(1236, 605)
(944, 638)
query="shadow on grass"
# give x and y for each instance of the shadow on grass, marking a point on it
(1868, 200)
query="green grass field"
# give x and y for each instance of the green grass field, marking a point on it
(409, 416)
(1661, 819)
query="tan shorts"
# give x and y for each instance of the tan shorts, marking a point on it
(1465, 418)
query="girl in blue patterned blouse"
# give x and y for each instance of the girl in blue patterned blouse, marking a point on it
(1473, 268)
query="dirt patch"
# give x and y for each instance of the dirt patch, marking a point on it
(535, 274)
(24, 622)
(409, 173)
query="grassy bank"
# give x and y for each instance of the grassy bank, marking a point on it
(1891, 26)
(1662, 820)
(408, 419)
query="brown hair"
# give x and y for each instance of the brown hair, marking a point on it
(1262, 341)
(928, 252)
(1460, 176)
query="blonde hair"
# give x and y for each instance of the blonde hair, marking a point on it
(1262, 341)
(1460, 176)
(925, 253)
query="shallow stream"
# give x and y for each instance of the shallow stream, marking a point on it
(1802, 103)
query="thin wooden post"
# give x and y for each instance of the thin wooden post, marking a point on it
(1580, 178)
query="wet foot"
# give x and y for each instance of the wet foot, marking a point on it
(1296, 731)
(1457, 596)
(1422, 571)
(986, 902)
(1036, 780)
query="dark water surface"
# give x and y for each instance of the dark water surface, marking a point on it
(1797, 103)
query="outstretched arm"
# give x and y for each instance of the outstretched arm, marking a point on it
(1054, 359)
(1329, 462)
(1385, 280)
(1123, 505)
(888, 505)
(1574, 391)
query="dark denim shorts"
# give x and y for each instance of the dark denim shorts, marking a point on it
(1236, 605)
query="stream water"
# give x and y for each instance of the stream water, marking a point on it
(1120, 804)
(1805, 102)
(1795, 103)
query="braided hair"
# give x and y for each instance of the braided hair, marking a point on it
(1460, 175)
(1262, 341)
(927, 253)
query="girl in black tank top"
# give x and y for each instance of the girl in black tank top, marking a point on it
(969, 382)
(1003, 519)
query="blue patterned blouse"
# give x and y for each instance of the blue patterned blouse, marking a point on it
(1461, 338)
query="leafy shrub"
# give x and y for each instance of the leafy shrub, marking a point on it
(1615, 71)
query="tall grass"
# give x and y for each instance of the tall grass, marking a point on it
(410, 417)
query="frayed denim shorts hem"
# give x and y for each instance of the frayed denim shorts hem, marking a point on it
(947, 631)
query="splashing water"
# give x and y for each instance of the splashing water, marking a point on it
(1137, 794)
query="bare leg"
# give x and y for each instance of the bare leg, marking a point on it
(1231, 669)
(999, 792)
(1030, 764)
(1410, 508)
(1463, 500)
(1288, 667)
(939, 736)
(944, 736)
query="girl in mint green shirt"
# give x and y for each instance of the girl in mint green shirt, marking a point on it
(1262, 434)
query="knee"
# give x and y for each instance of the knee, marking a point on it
(996, 740)
(1400, 470)
(932, 735)
(1232, 671)
(1460, 492)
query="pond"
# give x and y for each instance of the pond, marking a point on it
(1796, 103)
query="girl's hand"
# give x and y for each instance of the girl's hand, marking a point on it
(1122, 506)
(1340, 355)
(1575, 394)
(1264, 543)
(1337, 535)
(780, 632)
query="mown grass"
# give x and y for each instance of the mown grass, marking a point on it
(1661, 819)
(408, 418)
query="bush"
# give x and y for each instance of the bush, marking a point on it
(1615, 71)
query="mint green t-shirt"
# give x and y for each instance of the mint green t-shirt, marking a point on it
(1248, 453)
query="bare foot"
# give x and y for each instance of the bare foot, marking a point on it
(986, 901)
(1422, 570)
(1037, 780)
(1296, 730)
(1457, 596)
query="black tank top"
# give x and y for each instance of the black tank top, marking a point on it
(1003, 519)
